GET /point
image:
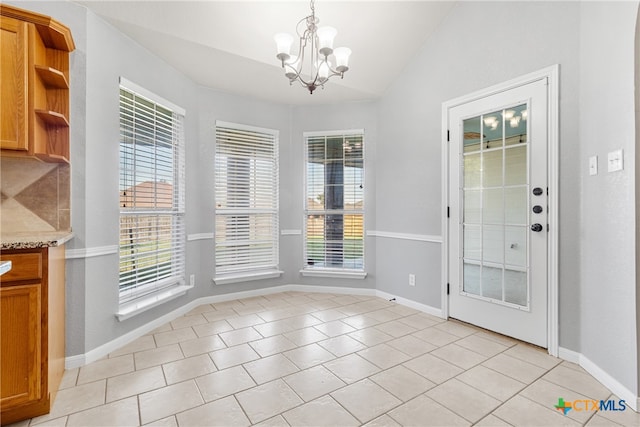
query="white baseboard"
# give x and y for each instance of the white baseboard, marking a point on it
(412, 304)
(72, 362)
(599, 374)
(569, 355)
(111, 346)
(609, 382)
(332, 290)
(99, 352)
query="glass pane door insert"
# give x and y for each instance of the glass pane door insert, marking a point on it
(495, 207)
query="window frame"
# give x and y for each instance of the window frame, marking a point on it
(333, 272)
(226, 276)
(147, 294)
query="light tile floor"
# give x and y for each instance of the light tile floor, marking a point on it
(307, 359)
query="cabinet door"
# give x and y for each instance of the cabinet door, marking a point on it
(13, 85)
(21, 338)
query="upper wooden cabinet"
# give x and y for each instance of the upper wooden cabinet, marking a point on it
(14, 43)
(34, 97)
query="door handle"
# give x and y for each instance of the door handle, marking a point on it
(536, 227)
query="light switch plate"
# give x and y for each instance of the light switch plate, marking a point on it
(593, 165)
(615, 161)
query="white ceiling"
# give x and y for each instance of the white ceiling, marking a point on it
(228, 45)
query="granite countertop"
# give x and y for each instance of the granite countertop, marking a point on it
(5, 266)
(32, 240)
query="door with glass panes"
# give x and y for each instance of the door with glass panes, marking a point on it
(499, 206)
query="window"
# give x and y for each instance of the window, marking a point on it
(152, 231)
(334, 202)
(246, 191)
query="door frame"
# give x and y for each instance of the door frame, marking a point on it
(552, 75)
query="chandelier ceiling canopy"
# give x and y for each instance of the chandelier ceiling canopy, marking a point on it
(313, 64)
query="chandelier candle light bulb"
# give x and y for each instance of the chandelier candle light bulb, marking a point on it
(283, 42)
(315, 47)
(325, 39)
(324, 68)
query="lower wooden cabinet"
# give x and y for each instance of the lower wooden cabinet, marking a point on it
(31, 332)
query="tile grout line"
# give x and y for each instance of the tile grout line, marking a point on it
(547, 370)
(308, 310)
(520, 391)
(241, 408)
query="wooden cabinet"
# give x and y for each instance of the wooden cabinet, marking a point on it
(14, 111)
(31, 332)
(34, 98)
(22, 337)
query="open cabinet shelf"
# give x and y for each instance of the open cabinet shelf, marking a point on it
(52, 78)
(34, 106)
(52, 118)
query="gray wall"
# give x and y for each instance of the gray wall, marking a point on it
(112, 55)
(102, 55)
(466, 54)
(109, 56)
(75, 299)
(325, 118)
(215, 105)
(607, 234)
(598, 316)
(597, 248)
(636, 159)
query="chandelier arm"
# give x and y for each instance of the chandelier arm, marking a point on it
(305, 19)
(335, 73)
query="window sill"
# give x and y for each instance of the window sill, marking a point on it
(338, 274)
(246, 277)
(128, 310)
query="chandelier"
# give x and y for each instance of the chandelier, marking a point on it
(314, 54)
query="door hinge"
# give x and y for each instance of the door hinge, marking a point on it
(447, 289)
(547, 228)
(448, 136)
(448, 213)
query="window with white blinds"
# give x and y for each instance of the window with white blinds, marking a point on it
(152, 230)
(246, 193)
(334, 202)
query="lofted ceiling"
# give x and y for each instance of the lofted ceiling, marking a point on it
(228, 45)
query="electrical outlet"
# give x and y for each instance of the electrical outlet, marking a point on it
(192, 280)
(412, 279)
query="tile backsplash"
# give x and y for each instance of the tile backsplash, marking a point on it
(34, 196)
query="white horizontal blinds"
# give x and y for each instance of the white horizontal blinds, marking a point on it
(246, 172)
(334, 203)
(152, 230)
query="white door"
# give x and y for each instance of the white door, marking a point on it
(498, 228)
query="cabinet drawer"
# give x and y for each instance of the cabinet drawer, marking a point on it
(25, 266)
